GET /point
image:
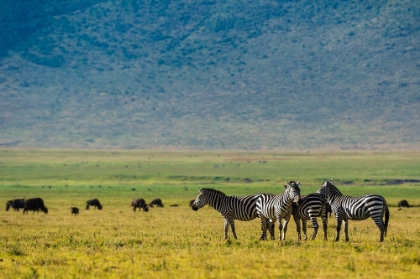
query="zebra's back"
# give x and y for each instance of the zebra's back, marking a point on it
(310, 206)
(267, 205)
(359, 208)
(244, 208)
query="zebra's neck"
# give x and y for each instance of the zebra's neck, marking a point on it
(285, 199)
(332, 193)
(217, 201)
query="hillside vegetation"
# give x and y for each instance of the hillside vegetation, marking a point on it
(210, 74)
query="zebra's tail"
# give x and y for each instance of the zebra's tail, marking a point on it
(386, 217)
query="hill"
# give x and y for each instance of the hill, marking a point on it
(210, 74)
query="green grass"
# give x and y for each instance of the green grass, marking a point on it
(176, 242)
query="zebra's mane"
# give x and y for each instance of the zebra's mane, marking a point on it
(213, 191)
(330, 184)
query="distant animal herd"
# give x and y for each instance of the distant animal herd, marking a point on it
(269, 208)
(37, 204)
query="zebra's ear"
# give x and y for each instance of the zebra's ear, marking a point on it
(298, 183)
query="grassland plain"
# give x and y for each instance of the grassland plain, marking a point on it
(176, 242)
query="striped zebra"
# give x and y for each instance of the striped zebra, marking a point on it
(347, 208)
(311, 206)
(278, 207)
(230, 207)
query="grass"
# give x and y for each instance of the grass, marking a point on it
(176, 242)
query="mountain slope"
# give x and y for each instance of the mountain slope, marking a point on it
(212, 74)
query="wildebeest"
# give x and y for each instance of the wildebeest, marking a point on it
(403, 203)
(157, 202)
(15, 204)
(140, 204)
(74, 211)
(95, 203)
(34, 204)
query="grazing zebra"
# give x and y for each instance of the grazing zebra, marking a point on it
(230, 207)
(311, 206)
(347, 208)
(277, 208)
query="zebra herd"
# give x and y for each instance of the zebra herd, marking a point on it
(270, 208)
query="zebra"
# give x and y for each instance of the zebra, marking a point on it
(311, 206)
(347, 208)
(278, 207)
(230, 207)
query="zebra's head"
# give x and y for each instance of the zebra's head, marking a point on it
(200, 201)
(207, 196)
(293, 191)
(326, 188)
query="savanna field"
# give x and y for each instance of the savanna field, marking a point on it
(177, 242)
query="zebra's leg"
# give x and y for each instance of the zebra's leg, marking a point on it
(296, 218)
(304, 228)
(230, 222)
(286, 222)
(338, 220)
(280, 228)
(270, 224)
(264, 222)
(314, 226)
(379, 222)
(324, 222)
(346, 229)
(226, 226)
(232, 226)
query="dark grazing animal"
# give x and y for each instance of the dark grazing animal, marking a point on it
(95, 203)
(74, 211)
(230, 208)
(16, 204)
(140, 204)
(403, 203)
(9, 204)
(157, 202)
(34, 204)
(347, 208)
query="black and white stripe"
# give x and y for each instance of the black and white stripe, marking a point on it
(355, 208)
(311, 206)
(230, 207)
(278, 207)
